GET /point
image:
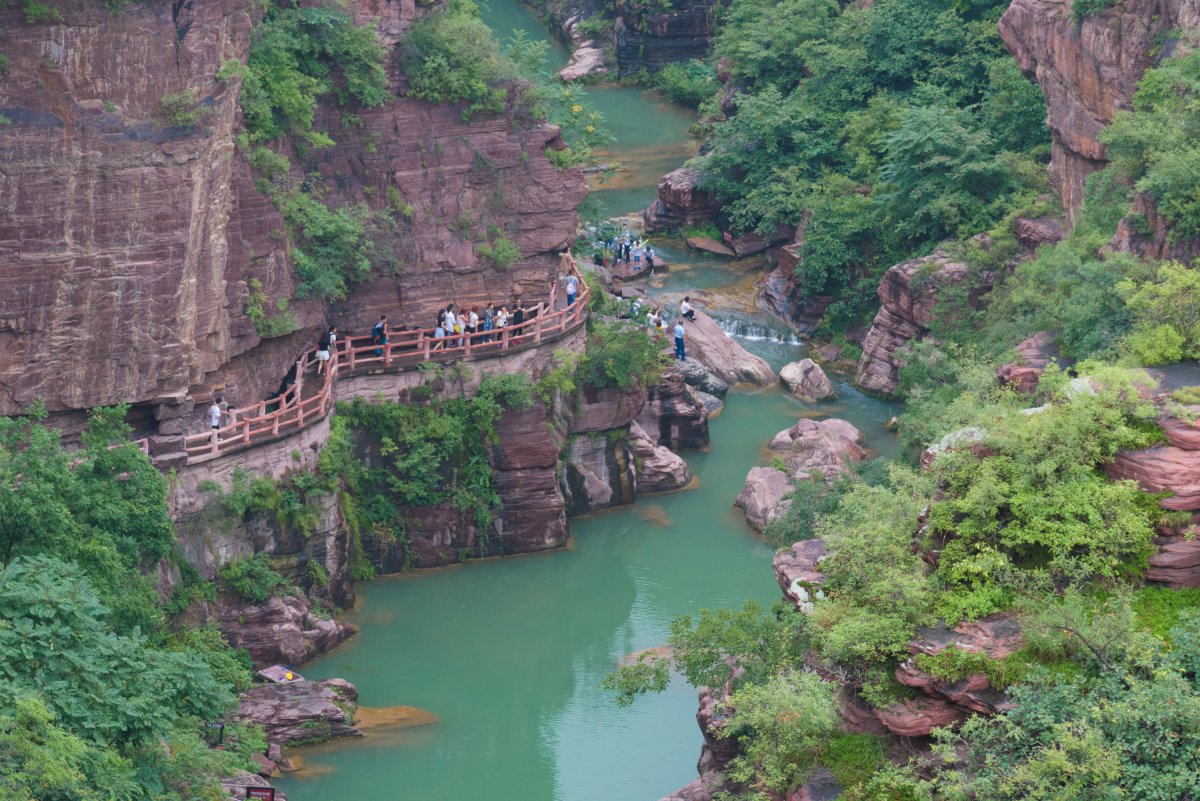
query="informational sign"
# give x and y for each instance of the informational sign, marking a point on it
(220, 729)
(261, 793)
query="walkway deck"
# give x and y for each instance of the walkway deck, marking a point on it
(311, 398)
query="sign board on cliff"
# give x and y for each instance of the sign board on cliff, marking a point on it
(261, 793)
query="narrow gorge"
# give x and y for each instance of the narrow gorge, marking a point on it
(344, 453)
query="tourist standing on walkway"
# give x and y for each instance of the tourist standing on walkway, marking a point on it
(379, 334)
(679, 353)
(572, 284)
(325, 347)
(686, 310)
(489, 321)
(518, 317)
(215, 413)
(473, 321)
(650, 258)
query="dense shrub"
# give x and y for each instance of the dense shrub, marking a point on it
(688, 83)
(452, 56)
(252, 579)
(620, 355)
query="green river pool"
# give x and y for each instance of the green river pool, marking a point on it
(509, 653)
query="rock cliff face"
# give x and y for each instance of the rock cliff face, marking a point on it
(651, 40)
(280, 631)
(126, 248)
(908, 296)
(1087, 70)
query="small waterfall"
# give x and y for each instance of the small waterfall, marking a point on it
(756, 329)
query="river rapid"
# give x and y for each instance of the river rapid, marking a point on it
(509, 653)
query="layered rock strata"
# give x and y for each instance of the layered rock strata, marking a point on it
(127, 252)
(1087, 69)
(649, 39)
(673, 416)
(908, 296)
(1034, 355)
(281, 630)
(680, 203)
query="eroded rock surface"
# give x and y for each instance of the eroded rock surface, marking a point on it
(1176, 563)
(908, 295)
(680, 202)
(673, 415)
(598, 473)
(920, 716)
(658, 468)
(762, 496)
(651, 40)
(826, 448)
(798, 573)
(722, 355)
(304, 711)
(1162, 469)
(1088, 70)
(1033, 356)
(281, 630)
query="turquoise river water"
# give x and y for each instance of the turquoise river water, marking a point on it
(509, 653)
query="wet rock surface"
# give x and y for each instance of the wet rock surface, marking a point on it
(797, 571)
(598, 473)
(673, 415)
(706, 342)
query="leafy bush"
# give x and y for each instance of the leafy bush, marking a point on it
(452, 56)
(688, 83)
(181, 110)
(252, 579)
(1166, 312)
(621, 356)
(501, 252)
(299, 54)
(268, 325)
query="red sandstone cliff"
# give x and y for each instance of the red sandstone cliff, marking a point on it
(1087, 70)
(126, 249)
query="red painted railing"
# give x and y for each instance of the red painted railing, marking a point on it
(270, 419)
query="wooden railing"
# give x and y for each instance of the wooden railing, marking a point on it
(283, 415)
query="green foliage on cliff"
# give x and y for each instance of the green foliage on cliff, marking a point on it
(298, 55)
(100, 700)
(253, 579)
(420, 456)
(886, 130)
(452, 56)
(620, 355)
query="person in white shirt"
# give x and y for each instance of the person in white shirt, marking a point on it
(215, 412)
(679, 352)
(686, 310)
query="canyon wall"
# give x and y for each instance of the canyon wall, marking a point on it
(127, 246)
(1088, 70)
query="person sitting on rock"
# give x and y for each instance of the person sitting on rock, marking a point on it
(686, 310)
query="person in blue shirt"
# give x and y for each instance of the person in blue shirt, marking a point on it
(679, 352)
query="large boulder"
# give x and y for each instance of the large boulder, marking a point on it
(722, 355)
(798, 574)
(658, 468)
(908, 296)
(807, 381)
(995, 636)
(280, 630)
(303, 711)
(701, 378)
(823, 447)
(608, 408)
(680, 202)
(762, 497)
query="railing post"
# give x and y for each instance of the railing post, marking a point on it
(424, 343)
(537, 327)
(216, 441)
(387, 353)
(299, 377)
(246, 431)
(350, 353)
(467, 340)
(275, 423)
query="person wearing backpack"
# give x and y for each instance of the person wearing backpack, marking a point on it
(379, 334)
